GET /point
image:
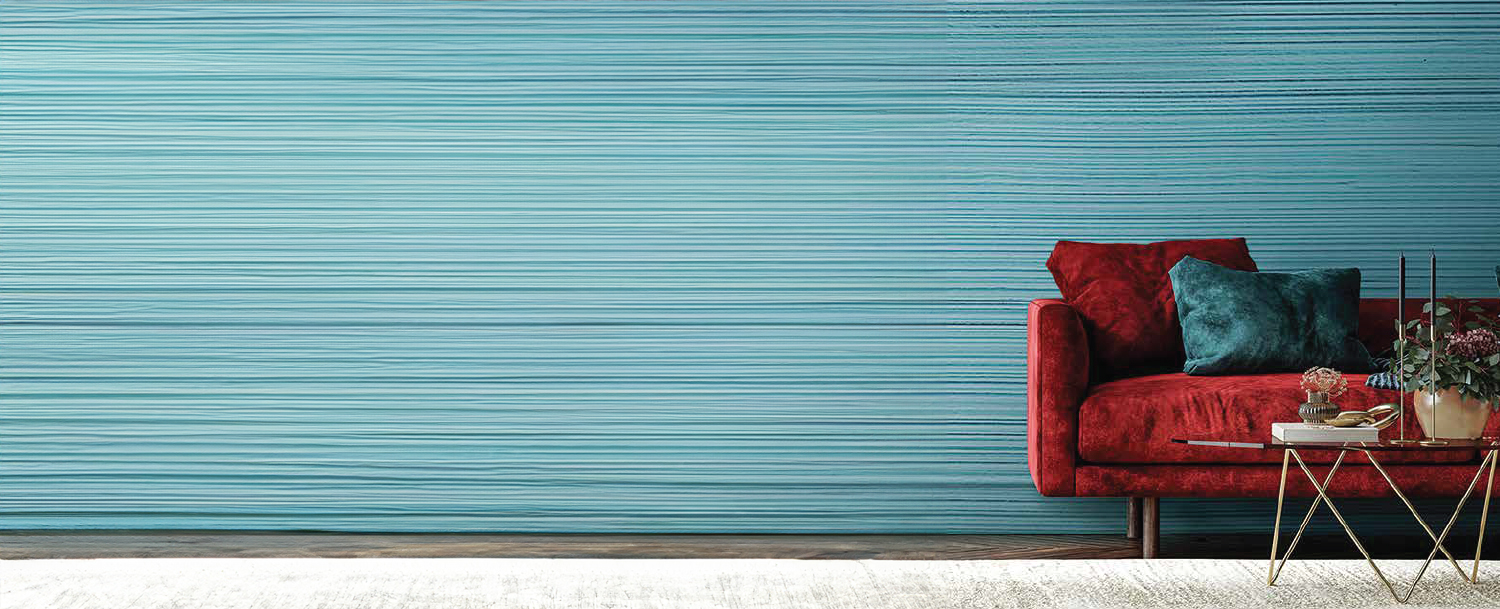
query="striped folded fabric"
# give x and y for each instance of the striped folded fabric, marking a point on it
(1384, 379)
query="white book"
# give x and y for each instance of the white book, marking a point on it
(1305, 432)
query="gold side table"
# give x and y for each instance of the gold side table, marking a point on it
(1487, 447)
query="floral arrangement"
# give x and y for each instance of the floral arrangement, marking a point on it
(1324, 380)
(1475, 344)
(1466, 355)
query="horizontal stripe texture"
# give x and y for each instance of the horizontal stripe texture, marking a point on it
(638, 266)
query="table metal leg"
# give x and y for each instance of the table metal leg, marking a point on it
(1488, 461)
(1286, 458)
(1340, 517)
(1484, 517)
(1402, 496)
(1491, 462)
(1306, 518)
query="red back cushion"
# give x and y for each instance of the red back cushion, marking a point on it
(1123, 294)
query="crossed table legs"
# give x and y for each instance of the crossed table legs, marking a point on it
(1288, 454)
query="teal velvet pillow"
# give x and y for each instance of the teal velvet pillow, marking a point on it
(1237, 322)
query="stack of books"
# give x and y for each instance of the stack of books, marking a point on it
(1313, 432)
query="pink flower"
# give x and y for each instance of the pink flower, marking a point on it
(1324, 380)
(1473, 344)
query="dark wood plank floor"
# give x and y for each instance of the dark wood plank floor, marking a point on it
(152, 544)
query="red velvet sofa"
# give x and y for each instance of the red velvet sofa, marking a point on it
(1113, 439)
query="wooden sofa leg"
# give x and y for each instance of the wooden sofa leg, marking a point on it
(1133, 518)
(1150, 527)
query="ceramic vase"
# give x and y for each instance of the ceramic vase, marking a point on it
(1450, 416)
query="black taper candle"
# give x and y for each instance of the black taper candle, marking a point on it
(1401, 334)
(1432, 298)
(1401, 292)
(1432, 293)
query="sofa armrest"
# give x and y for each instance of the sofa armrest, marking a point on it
(1057, 379)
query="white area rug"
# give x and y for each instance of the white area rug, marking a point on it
(462, 583)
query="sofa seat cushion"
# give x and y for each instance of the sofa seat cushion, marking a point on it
(1134, 420)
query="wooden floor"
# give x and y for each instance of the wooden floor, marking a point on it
(151, 544)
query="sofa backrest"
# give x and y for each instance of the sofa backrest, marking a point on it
(1377, 319)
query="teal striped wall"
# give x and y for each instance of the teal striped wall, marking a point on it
(633, 266)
